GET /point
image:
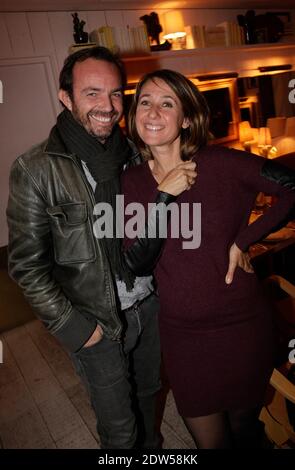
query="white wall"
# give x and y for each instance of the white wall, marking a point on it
(28, 110)
(29, 89)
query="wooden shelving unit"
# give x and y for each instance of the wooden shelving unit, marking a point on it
(244, 60)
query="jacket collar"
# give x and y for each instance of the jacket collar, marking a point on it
(55, 145)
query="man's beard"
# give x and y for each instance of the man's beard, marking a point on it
(101, 133)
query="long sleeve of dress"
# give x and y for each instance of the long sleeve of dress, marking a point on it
(271, 178)
(141, 257)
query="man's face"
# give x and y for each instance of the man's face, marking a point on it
(97, 102)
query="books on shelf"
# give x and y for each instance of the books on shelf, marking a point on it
(195, 36)
(134, 41)
(234, 34)
(224, 34)
(126, 41)
(215, 37)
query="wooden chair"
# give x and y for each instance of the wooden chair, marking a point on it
(274, 414)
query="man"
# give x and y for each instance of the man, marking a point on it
(72, 279)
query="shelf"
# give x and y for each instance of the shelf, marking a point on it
(209, 50)
(244, 60)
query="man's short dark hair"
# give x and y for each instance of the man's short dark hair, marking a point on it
(97, 53)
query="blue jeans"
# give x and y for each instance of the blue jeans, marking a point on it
(122, 379)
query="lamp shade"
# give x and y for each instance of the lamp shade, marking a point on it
(173, 25)
(264, 137)
(245, 131)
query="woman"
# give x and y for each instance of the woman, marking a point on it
(216, 333)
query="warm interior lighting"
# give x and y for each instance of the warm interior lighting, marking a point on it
(174, 25)
(246, 135)
(264, 137)
(264, 141)
(274, 68)
(130, 91)
(174, 28)
(290, 127)
(276, 126)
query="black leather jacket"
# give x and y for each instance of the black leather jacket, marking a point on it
(53, 254)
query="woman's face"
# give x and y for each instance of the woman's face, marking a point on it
(159, 115)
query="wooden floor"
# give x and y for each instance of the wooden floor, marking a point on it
(43, 404)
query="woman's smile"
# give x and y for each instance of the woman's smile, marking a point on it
(153, 127)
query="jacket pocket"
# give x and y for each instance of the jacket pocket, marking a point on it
(72, 233)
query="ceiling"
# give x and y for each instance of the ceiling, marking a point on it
(55, 5)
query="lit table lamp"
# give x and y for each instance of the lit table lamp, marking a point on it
(245, 135)
(174, 29)
(264, 141)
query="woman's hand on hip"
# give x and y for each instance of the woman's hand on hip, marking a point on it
(237, 258)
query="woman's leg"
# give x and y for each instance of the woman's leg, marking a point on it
(247, 430)
(211, 431)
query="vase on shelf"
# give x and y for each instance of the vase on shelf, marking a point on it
(80, 37)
